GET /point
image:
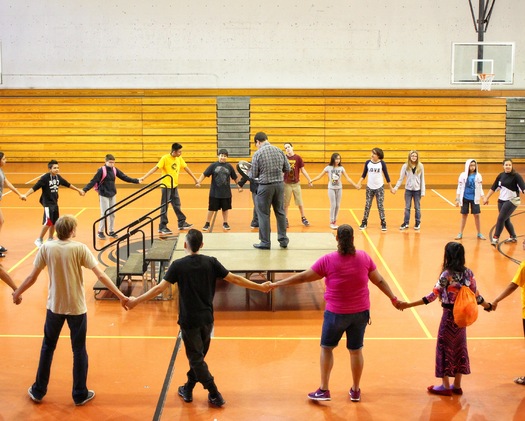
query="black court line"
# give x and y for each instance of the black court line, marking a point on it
(167, 379)
(498, 246)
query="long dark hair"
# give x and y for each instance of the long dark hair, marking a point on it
(333, 158)
(454, 257)
(345, 239)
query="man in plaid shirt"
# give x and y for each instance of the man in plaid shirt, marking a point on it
(269, 164)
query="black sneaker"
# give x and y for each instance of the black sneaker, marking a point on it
(113, 234)
(3, 249)
(32, 396)
(305, 221)
(363, 225)
(403, 227)
(383, 225)
(90, 395)
(253, 225)
(165, 231)
(206, 226)
(226, 226)
(184, 226)
(417, 227)
(185, 393)
(101, 235)
(216, 399)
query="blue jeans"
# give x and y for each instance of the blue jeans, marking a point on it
(354, 325)
(167, 195)
(78, 328)
(414, 195)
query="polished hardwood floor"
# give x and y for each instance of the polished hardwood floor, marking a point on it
(266, 362)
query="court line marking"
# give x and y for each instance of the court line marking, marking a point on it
(28, 255)
(261, 338)
(444, 198)
(394, 279)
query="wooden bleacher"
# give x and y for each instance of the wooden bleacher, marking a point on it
(445, 126)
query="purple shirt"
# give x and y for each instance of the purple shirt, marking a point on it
(346, 280)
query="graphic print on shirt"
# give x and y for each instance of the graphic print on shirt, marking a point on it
(335, 176)
(54, 183)
(175, 167)
(221, 176)
(291, 173)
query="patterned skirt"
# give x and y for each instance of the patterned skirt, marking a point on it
(451, 349)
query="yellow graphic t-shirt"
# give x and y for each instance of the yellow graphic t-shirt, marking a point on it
(170, 165)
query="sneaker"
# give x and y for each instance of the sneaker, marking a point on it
(459, 236)
(305, 221)
(113, 234)
(216, 399)
(185, 226)
(320, 395)
(90, 395)
(185, 393)
(383, 225)
(355, 396)
(417, 227)
(512, 239)
(481, 236)
(439, 390)
(226, 226)
(33, 397)
(101, 235)
(206, 226)
(165, 231)
(254, 225)
(403, 227)
(333, 225)
(494, 241)
(39, 242)
(363, 225)
(3, 249)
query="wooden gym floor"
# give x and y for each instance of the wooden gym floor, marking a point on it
(266, 362)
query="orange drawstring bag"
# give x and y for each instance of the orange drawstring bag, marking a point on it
(465, 307)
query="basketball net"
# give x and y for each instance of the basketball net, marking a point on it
(486, 80)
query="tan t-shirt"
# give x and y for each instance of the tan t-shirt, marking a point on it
(64, 261)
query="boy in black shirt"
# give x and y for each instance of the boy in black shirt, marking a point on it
(220, 191)
(49, 183)
(196, 276)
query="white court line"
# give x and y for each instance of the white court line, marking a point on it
(444, 198)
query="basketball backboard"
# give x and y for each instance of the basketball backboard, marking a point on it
(472, 58)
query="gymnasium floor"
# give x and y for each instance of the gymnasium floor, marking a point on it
(266, 362)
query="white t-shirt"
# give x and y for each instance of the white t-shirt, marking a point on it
(64, 261)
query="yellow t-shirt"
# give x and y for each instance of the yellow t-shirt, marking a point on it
(170, 165)
(519, 280)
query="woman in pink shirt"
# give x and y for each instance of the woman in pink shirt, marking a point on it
(346, 272)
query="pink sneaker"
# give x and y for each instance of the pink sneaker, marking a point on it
(355, 396)
(320, 395)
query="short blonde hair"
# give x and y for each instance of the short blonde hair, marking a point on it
(64, 226)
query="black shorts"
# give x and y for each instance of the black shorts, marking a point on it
(215, 204)
(50, 215)
(474, 208)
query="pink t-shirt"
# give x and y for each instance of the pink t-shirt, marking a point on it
(346, 280)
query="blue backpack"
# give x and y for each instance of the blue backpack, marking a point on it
(104, 174)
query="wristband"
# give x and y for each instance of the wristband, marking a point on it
(394, 300)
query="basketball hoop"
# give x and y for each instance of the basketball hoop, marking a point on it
(486, 80)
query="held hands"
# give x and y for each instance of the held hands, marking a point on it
(131, 303)
(267, 287)
(17, 299)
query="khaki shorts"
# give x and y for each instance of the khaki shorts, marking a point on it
(294, 188)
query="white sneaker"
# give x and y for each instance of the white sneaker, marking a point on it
(38, 242)
(334, 226)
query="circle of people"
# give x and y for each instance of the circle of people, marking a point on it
(346, 272)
